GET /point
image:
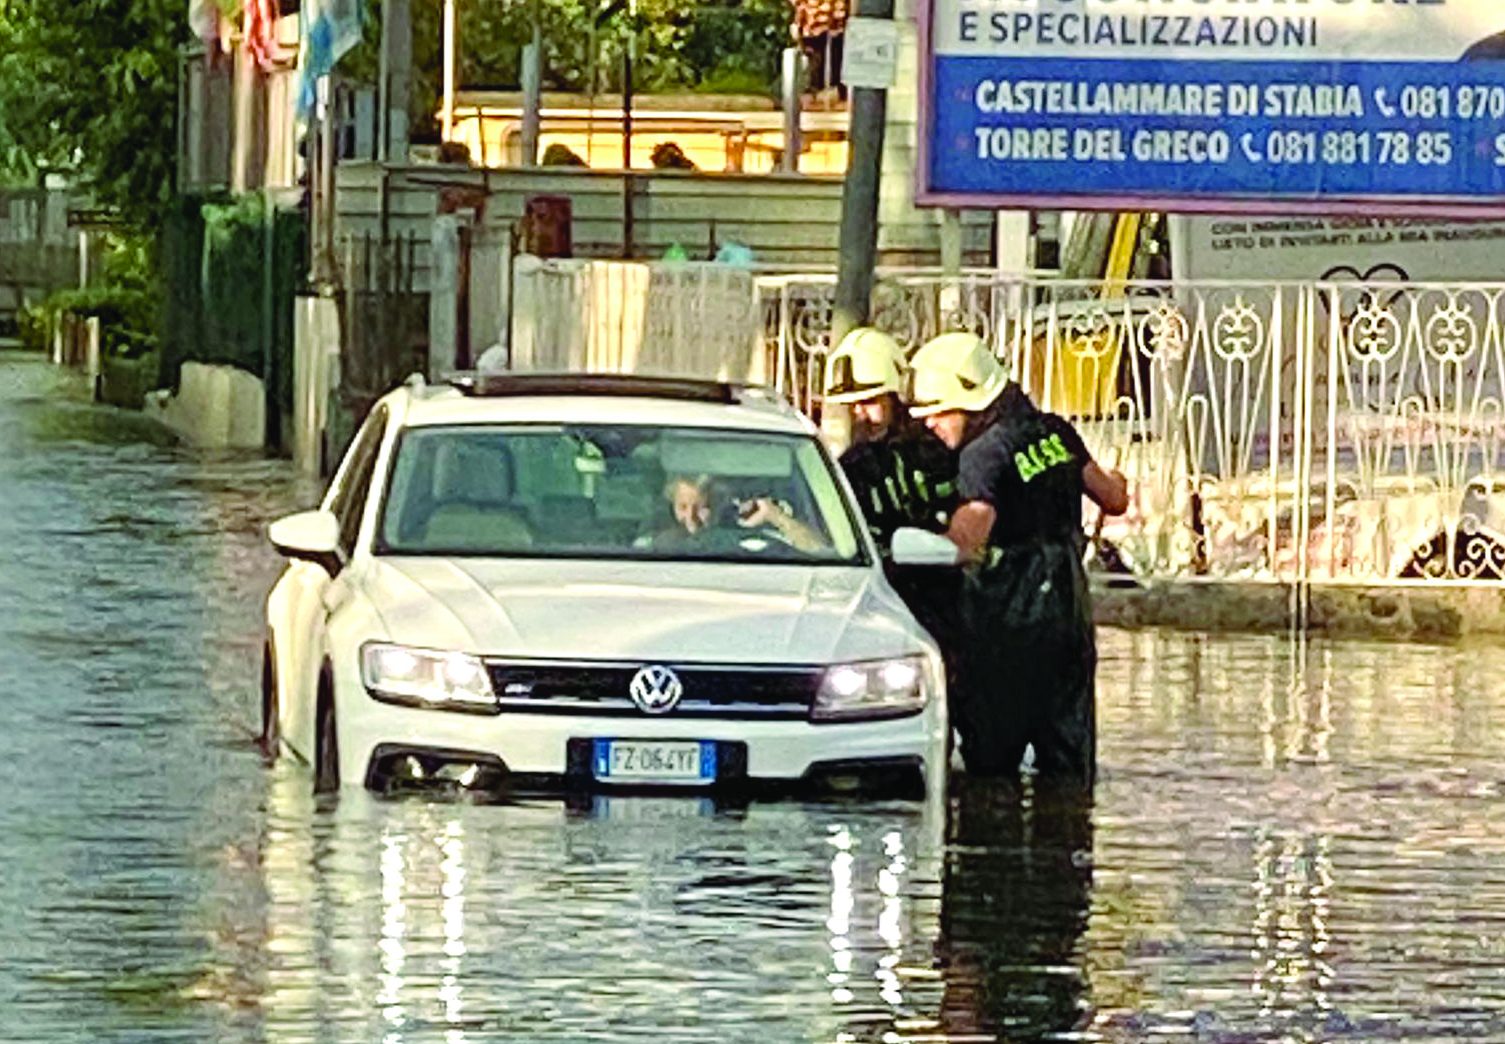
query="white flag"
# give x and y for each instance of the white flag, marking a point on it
(203, 17)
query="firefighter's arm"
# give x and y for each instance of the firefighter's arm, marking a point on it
(1108, 489)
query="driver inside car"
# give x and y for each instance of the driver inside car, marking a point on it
(700, 518)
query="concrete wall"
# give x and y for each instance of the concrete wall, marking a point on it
(215, 407)
(205, 122)
(786, 220)
(237, 124)
(1437, 613)
(39, 253)
(899, 221)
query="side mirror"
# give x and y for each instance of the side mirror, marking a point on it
(919, 547)
(312, 536)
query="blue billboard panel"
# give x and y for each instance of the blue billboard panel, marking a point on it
(1338, 106)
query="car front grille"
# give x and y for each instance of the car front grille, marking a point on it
(710, 691)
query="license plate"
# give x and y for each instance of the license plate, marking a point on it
(649, 761)
(639, 809)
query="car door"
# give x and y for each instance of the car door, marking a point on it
(311, 590)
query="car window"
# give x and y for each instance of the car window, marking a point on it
(349, 500)
(616, 491)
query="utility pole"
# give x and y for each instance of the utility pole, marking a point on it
(321, 185)
(396, 80)
(628, 54)
(451, 46)
(859, 196)
(859, 215)
(532, 90)
(792, 82)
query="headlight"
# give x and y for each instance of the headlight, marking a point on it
(876, 689)
(421, 678)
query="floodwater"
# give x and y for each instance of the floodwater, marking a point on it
(1289, 842)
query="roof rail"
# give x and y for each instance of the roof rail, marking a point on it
(492, 385)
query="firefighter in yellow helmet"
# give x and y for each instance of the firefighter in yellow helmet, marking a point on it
(901, 473)
(1027, 673)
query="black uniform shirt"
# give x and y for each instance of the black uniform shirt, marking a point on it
(908, 479)
(1027, 465)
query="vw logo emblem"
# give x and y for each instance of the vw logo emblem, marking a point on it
(656, 690)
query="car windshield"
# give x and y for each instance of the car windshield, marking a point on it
(616, 492)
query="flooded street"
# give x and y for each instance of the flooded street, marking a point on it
(1290, 842)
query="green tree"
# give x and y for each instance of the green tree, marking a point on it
(90, 87)
(721, 46)
(726, 46)
(16, 166)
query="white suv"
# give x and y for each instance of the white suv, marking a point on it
(577, 582)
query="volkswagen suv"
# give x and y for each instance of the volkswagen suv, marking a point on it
(575, 583)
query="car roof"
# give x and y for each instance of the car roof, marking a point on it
(574, 399)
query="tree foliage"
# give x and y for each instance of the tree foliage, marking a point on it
(720, 46)
(90, 87)
(732, 45)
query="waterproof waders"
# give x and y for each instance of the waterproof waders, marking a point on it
(1029, 667)
(1030, 655)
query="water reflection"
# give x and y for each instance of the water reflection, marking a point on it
(393, 929)
(1289, 841)
(1294, 876)
(453, 890)
(1298, 841)
(780, 922)
(1017, 892)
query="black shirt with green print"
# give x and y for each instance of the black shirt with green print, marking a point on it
(907, 479)
(1027, 464)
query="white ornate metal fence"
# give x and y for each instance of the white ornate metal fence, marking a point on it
(1295, 434)
(1284, 433)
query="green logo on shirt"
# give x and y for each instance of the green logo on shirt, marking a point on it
(1048, 453)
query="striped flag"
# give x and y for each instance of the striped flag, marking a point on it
(259, 29)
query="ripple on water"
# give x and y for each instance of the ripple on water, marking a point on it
(1289, 842)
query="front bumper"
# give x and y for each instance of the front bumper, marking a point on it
(380, 743)
(397, 767)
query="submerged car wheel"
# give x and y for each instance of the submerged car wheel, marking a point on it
(327, 761)
(270, 736)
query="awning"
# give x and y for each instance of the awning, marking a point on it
(818, 17)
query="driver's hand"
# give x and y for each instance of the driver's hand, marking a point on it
(759, 513)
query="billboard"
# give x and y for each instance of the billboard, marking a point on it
(1258, 106)
(1363, 250)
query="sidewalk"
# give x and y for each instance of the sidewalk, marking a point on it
(1425, 613)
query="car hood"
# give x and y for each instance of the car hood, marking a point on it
(638, 611)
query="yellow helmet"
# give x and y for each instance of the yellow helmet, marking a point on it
(866, 364)
(955, 371)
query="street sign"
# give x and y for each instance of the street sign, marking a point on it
(870, 55)
(93, 217)
(1323, 106)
